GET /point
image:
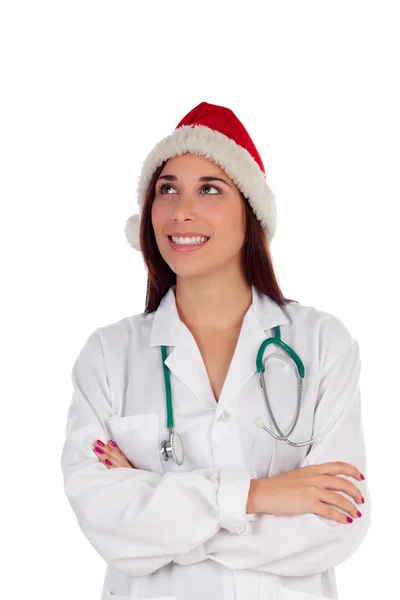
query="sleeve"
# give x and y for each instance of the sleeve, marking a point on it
(301, 545)
(138, 520)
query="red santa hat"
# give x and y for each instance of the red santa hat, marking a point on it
(216, 133)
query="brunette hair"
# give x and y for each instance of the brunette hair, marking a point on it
(257, 260)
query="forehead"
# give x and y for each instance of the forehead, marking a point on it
(194, 164)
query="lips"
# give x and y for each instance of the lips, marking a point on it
(189, 234)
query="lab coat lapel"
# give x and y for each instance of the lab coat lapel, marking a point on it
(186, 362)
(184, 358)
(263, 315)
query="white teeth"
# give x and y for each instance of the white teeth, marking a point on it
(187, 241)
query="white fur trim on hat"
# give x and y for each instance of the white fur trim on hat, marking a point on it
(132, 230)
(234, 159)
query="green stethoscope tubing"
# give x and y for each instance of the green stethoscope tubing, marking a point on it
(260, 369)
(301, 372)
(277, 340)
(170, 417)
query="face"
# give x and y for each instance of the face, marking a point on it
(191, 201)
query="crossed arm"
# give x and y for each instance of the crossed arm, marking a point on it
(130, 517)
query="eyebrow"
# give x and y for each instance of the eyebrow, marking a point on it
(206, 178)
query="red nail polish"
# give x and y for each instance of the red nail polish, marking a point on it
(349, 520)
(362, 500)
(99, 451)
(108, 462)
(359, 514)
(100, 443)
(113, 443)
(362, 476)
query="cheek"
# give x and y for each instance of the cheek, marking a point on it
(228, 224)
(158, 216)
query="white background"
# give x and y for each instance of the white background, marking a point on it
(87, 89)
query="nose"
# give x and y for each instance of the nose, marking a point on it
(184, 208)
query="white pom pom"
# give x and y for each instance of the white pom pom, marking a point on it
(132, 229)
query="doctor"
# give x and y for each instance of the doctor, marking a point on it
(191, 478)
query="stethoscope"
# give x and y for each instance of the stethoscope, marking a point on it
(173, 447)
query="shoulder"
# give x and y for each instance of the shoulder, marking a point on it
(118, 335)
(329, 330)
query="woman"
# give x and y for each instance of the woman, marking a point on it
(171, 461)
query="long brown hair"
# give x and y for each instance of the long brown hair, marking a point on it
(257, 260)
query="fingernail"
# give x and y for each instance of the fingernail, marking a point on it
(359, 514)
(362, 476)
(99, 451)
(100, 443)
(108, 462)
(349, 520)
(362, 500)
(113, 443)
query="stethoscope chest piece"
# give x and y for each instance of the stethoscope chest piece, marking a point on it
(173, 447)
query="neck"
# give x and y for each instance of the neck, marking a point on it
(212, 305)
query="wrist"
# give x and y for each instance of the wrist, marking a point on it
(255, 497)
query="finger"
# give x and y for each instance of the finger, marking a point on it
(113, 445)
(118, 461)
(103, 452)
(110, 456)
(323, 510)
(104, 457)
(337, 500)
(117, 456)
(338, 468)
(335, 482)
(110, 448)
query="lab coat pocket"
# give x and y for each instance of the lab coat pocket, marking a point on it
(137, 436)
(289, 594)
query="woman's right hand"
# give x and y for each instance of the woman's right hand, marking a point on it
(308, 490)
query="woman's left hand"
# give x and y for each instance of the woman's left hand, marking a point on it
(111, 456)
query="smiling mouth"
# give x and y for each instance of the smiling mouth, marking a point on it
(189, 237)
(187, 247)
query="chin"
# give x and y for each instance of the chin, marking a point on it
(188, 272)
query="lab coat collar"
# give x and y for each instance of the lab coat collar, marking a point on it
(168, 329)
(185, 361)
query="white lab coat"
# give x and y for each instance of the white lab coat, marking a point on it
(170, 532)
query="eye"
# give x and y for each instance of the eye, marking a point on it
(211, 186)
(162, 187)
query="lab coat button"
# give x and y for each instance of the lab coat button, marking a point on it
(225, 416)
